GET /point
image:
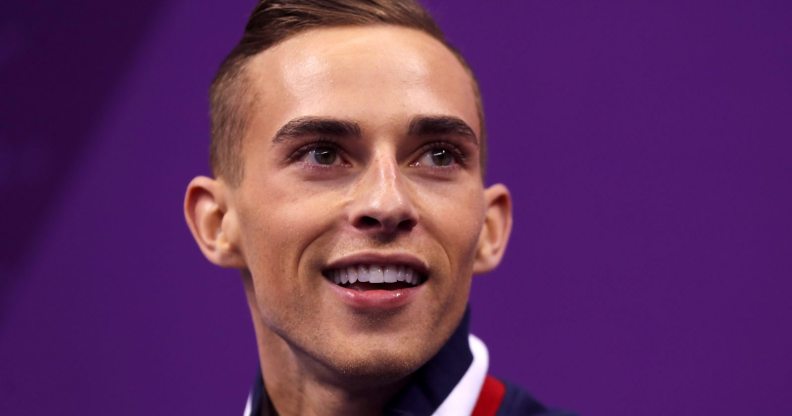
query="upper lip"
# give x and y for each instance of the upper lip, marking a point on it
(383, 259)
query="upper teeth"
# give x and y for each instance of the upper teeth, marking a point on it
(375, 274)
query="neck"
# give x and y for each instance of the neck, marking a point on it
(297, 386)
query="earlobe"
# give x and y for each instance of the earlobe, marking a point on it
(213, 225)
(496, 229)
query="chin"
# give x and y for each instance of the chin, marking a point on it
(379, 364)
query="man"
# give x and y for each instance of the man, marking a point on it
(348, 153)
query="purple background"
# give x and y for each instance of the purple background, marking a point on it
(647, 145)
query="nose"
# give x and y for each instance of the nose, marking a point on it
(382, 204)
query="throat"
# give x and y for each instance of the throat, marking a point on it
(312, 398)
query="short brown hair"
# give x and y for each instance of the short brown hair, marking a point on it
(273, 21)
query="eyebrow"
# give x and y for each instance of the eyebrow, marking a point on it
(419, 126)
(441, 126)
(305, 126)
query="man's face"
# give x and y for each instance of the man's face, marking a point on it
(361, 157)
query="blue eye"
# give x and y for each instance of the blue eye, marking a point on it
(438, 155)
(323, 155)
(320, 154)
(441, 157)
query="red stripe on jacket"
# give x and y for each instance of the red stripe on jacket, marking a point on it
(490, 398)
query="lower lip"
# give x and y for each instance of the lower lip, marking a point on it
(375, 299)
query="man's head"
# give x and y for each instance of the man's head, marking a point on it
(361, 146)
(274, 21)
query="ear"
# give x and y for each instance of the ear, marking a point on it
(213, 225)
(496, 229)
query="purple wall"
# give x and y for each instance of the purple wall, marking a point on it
(647, 144)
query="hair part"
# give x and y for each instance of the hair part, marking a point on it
(272, 22)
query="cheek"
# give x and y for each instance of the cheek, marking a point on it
(275, 242)
(281, 221)
(457, 223)
(283, 218)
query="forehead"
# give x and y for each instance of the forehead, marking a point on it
(377, 75)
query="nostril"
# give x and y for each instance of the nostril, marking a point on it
(368, 222)
(407, 225)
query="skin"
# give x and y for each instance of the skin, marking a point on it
(308, 199)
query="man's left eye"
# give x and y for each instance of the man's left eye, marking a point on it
(438, 156)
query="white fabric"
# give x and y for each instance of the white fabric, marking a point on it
(462, 399)
(248, 406)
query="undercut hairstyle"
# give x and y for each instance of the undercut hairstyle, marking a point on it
(272, 22)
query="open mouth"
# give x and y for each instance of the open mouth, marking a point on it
(375, 277)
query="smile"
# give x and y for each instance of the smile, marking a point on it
(375, 276)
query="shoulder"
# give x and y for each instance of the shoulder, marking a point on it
(517, 402)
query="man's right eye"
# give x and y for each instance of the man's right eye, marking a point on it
(324, 155)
